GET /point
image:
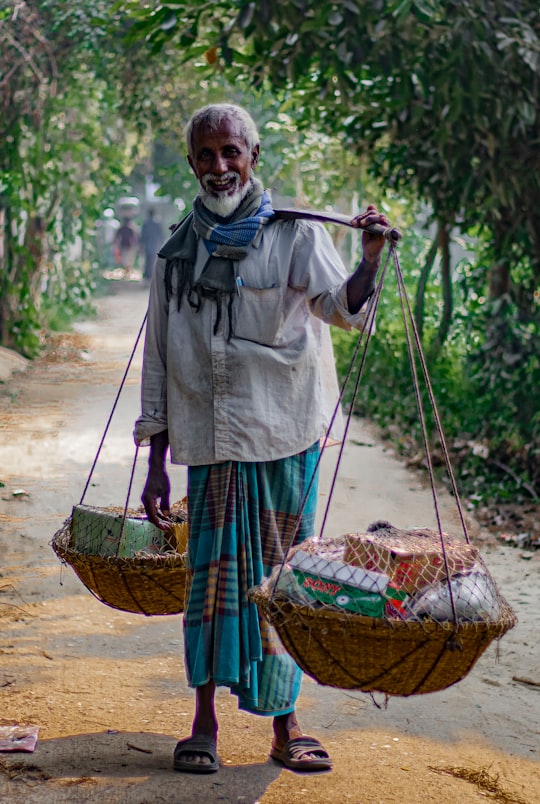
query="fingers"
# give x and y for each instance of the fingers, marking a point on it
(370, 216)
(163, 523)
(164, 513)
(158, 515)
(156, 496)
(372, 243)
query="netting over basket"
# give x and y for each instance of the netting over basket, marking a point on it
(124, 560)
(397, 611)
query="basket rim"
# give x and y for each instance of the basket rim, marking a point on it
(154, 561)
(274, 609)
(61, 544)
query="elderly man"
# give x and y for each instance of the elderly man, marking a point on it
(233, 385)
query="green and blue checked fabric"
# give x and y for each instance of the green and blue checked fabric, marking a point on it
(242, 517)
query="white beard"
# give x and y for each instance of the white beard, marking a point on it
(224, 205)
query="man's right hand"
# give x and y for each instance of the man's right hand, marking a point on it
(157, 490)
(156, 498)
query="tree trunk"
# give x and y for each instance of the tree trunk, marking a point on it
(499, 280)
(422, 283)
(446, 282)
(446, 291)
(5, 277)
(35, 246)
(20, 281)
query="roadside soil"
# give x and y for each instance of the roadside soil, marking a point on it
(107, 688)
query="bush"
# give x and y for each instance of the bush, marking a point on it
(488, 398)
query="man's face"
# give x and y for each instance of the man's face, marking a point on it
(223, 164)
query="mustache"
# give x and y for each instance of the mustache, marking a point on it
(231, 174)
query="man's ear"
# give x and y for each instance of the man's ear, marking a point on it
(255, 156)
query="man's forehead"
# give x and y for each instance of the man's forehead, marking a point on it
(226, 129)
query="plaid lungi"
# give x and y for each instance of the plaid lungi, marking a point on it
(242, 516)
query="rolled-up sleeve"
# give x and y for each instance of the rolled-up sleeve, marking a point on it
(153, 418)
(320, 270)
(331, 307)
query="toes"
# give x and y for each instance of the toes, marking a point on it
(195, 759)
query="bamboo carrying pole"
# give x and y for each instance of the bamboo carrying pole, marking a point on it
(390, 233)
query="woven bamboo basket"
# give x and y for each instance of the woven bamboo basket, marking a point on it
(143, 583)
(351, 651)
(344, 648)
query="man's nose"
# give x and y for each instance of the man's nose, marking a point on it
(220, 164)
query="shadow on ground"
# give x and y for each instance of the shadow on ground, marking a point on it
(131, 768)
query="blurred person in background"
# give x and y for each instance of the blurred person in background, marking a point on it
(125, 245)
(150, 239)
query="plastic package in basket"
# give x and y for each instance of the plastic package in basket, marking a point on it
(124, 560)
(392, 573)
(105, 532)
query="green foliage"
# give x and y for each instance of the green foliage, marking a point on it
(438, 99)
(67, 294)
(442, 97)
(486, 376)
(62, 142)
(433, 100)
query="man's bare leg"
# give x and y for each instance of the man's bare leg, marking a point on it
(204, 722)
(286, 728)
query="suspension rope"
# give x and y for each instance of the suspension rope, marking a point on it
(414, 347)
(115, 403)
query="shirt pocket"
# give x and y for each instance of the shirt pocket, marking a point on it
(258, 314)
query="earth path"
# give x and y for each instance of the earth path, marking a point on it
(108, 688)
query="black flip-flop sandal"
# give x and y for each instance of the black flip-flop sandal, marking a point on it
(200, 744)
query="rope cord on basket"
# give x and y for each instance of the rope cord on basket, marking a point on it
(122, 383)
(408, 321)
(409, 324)
(130, 484)
(115, 403)
(366, 330)
(409, 317)
(405, 300)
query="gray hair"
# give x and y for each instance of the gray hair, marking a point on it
(212, 116)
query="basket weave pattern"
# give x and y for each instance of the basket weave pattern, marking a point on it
(143, 583)
(350, 650)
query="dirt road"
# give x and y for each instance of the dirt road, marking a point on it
(108, 688)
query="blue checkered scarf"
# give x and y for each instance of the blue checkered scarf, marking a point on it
(231, 239)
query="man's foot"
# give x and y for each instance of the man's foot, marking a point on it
(196, 754)
(302, 754)
(294, 749)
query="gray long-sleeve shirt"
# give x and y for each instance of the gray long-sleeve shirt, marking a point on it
(270, 390)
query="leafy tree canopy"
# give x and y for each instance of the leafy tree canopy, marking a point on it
(443, 96)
